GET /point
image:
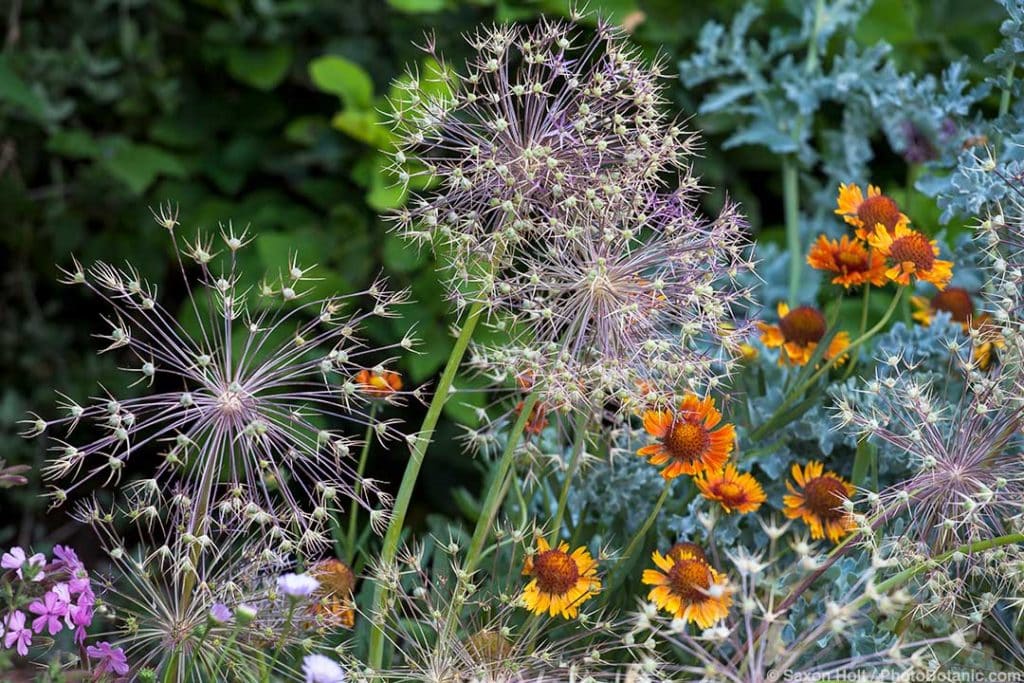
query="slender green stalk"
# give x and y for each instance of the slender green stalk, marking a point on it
(1004, 101)
(570, 473)
(854, 345)
(642, 533)
(496, 492)
(791, 205)
(864, 308)
(412, 470)
(350, 539)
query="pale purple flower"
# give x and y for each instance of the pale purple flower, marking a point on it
(297, 585)
(80, 616)
(321, 669)
(220, 613)
(17, 560)
(109, 659)
(68, 558)
(50, 610)
(16, 634)
(260, 381)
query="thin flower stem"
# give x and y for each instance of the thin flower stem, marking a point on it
(642, 533)
(412, 470)
(496, 492)
(284, 635)
(791, 205)
(854, 345)
(865, 306)
(570, 473)
(350, 541)
(1004, 101)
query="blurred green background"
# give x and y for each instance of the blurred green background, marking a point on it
(266, 113)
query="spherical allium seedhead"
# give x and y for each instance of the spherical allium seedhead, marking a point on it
(541, 119)
(967, 484)
(641, 294)
(248, 390)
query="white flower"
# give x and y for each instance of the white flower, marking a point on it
(297, 585)
(320, 669)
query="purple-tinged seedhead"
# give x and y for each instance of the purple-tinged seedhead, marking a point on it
(248, 390)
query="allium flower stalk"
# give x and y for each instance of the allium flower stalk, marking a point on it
(968, 481)
(542, 119)
(247, 391)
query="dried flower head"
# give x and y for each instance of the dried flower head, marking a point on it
(249, 390)
(541, 119)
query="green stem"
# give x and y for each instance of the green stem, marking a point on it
(642, 533)
(791, 205)
(854, 345)
(284, 636)
(865, 306)
(1004, 101)
(570, 473)
(350, 540)
(497, 490)
(412, 470)
(811, 63)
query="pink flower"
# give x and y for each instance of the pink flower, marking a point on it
(80, 618)
(50, 610)
(16, 633)
(111, 659)
(68, 558)
(16, 560)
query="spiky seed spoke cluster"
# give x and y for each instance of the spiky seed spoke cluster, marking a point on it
(642, 294)
(541, 118)
(967, 483)
(248, 392)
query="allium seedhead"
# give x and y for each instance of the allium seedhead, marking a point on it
(640, 294)
(967, 482)
(541, 120)
(248, 391)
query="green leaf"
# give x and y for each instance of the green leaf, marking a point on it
(417, 6)
(262, 68)
(18, 93)
(400, 255)
(137, 166)
(344, 78)
(363, 125)
(75, 144)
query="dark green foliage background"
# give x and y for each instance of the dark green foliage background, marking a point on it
(109, 107)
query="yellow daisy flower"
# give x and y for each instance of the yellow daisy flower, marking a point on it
(865, 214)
(688, 588)
(798, 333)
(687, 438)
(911, 253)
(561, 581)
(818, 499)
(735, 491)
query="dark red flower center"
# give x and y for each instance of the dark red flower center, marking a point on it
(803, 325)
(879, 209)
(824, 497)
(690, 579)
(955, 301)
(687, 441)
(915, 248)
(556, 572)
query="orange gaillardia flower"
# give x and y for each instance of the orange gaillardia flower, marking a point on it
(865, 214)
(561, 581)
(687, 439)
(332, 601)
(798, 333)
(378, 384)
(735, 491)
(853, 263)
(911, 253)
(960, 306)
(818, 500)
(687, 587)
